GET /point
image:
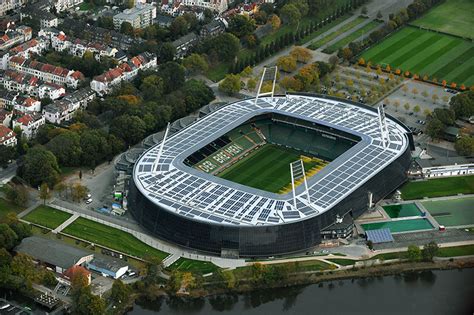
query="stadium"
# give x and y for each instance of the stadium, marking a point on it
(263, 177)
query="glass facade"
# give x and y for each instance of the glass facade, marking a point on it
(254, 241)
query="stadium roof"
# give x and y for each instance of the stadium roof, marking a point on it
(379, 236)
(201, 196)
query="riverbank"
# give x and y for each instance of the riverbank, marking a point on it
(221, 285)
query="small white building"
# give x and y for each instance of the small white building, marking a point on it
(51, 90)
(29, 124)
(446, 167)
(27, 104)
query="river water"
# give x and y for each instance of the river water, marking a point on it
(427, 292)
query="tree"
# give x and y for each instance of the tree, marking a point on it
(241, 25)
(230, 85)
(301, 54)
(224, 46)
(179, 26)
(435, 128)
(84, 302)
(396, 103)
(405, 89)
(416, 109)
(424, 93)
(120, 292)
(16, 194)
(133, 132)
(415, 92)
(346, 53)
(152, 87)
(287, 63)
(292, 84)
(463, 104)
(7, 153)
(251, 84)
(78, 192)
(166, 52)
(195, 63)
(290, 14)
(275, 22)
(465, 146)
(414, 253)
(435, 98)
(8, 237)
(66, 147)
(429, 251)
(126, 28)
(406, 106)
(39, 166)
(427, 112)
(45, 193)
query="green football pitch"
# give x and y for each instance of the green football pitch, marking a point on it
(453, 17)
(424, 52)
(266, 168)
(452, 212)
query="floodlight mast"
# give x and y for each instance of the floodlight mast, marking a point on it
(298, 168)
(156, 164)
(383, 126)
(265, 69)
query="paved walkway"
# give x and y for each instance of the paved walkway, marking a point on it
(66, 223)
(29, 209)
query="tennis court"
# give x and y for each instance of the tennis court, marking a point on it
(452, 212)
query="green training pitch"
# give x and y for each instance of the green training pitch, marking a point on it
(423, 52)
(267, 168)
(400, 226)
(47, 217)
(453, 212)
(403, 210)
(438, 187)
(112, 238)
(452, 16)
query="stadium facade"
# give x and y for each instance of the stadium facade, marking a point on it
(200, 211)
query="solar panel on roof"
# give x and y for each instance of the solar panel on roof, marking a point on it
(379, 236)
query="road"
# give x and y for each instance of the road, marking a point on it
(6, 174)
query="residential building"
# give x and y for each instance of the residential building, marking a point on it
(4, 57)
(184, 44)
(14, 37)
(53, 254)
(40, 11)
(163, 20)
(63, 5)
(63, 110)
(8, 5)
(126, 71)
(213, 5)
(213, 28)
(140, 16)
(5, 117)
(112, 268)
(69, 274)
(29, 124)
(7, 136)
(46, 72)
(15, 81)
(7, 99)
(51, 90)
(27, 104)
(33, 46)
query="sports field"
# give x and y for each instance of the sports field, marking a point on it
(195, 266)
(403, 210)
(400, 226)
(452, 212)
(267, 168)
(112, 238)
(438, 187)
(47, 217)
(453, 17)
(424, 52)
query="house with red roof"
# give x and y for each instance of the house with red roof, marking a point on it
(29, 124)
(7, 136)
(27, 104)
(73, 271)
(34, 46)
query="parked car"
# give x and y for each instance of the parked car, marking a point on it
(88, 201)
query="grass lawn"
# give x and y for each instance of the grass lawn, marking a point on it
(456, 251)
(266, 168)
(323, 41)
(7, 207)
(438, 187)
(47, 217)
(194, 266)
(452, 212)
(107, 236)
(342, 261)
(452, 16)
(388, 256)
(424, 52)
(352, 37)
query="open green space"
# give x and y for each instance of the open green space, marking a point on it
(452, 212)
(194, 266)
(47, 217)
(400, 226)
(113, 238)
(438, 187)
(451, 16)
(266, 168)
(464, 250)
(402, 210)
(347, 27)
(342, 261)
(366, 29)
(425, 52)
(7, 207)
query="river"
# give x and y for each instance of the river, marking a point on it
(428, 292)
